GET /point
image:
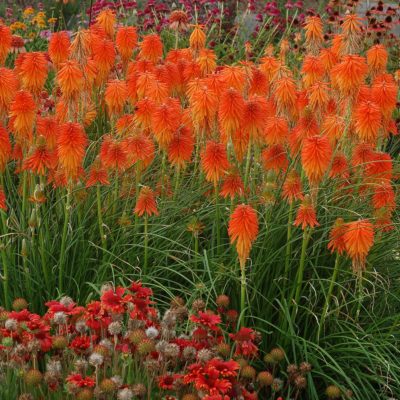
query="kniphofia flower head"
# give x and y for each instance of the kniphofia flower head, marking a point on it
(151, 48)
(59, 48)
(181, 146)
(107, 20)
(22, 116)
(214, 161)
(8, 86)
(33, 71)
(314, 33)
(126, 41)
(146, 203)
(306, 214)
(5, 42)
(336, 237)
(70, 79)
(5, 148)
(197, 39)
(232, 186)
(115, 96)
(243, 230)
(231, 111)
(358, 240)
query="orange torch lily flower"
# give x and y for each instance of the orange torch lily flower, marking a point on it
(146, 203)
(306, 215)
(59, 47)
(214, 161)
(243, 229)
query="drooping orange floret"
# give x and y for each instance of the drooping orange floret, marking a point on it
(232, 186)
(312, 70)
(48, 128)
(71, 145)
(113, 154)
(97, 175)
(214, 161)
(104, 57)
(339, 167)
(115, 96)
(384, 93)
(328, 59)
(178, 21)
(292, 189)
(243, 229)
(314, 33)
(276, 130)
(166, 119)
(8, 86)
(377, 58)
(336, 237)
(204, 107)
(241, 140)
(107, 20)
(207, 61)
(158, 91)
(181, 146)
(146, 203)
(306, 214)
(22, 116)
(351, 28)
(191, 71)
(379, 167)
(274, 158)
(231, 111)
(363, 153)
(316, 155)
(285, 94)
(59, 48)
(126, 42)
(5, 148)
(197, 39)
(367, 121)
(5, 42)
(140, 149)
(40, 160)
(33, 71)
(70, 79)
(144, 84)
(151, 48)
(358, 240)
(337, 45)
(348, 75)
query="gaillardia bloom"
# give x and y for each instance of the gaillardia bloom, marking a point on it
(243, 229)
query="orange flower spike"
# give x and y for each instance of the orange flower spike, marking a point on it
(318, 95)
(358, 240)
(340, 167)
(292, 189)
(103, 57)
(214, 161)
(351, 28)
(5, 148)
(254, 116)
(180, 148)
(8, 86)
(97, 175)
(70, 79)
(59, 48)
(151, 48)
(231, 111)
(115, 96)
(113, 154)
(204, 107)
(41, 159)
(166, 119)
(306, 214)
(336, 237)
(33, 71)
(197, 39)
(48, 128)
(276, 130)
(349, 74)
(384, 196)
(314, 33)
(384, 92)
(207, 61)
(5, 42)
(367, 120)
(259, 83)
(333, 126)
(146, 203)
(328, 59)
(234, 77)
(232, 186)
(285, 94)
(144, 113)
(312, 70)
(377, 58)
(107, 21)
(144, 84)
(22, 116)
(126, 42)
(140, 148)
(243, 230)
(274, 158)
(240, 139)
(71, 145)
(316, 155)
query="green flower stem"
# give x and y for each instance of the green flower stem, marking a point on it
(146, 245)
(100, 219)
(64, 239)
(242, 294)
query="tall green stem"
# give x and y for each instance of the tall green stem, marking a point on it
(247, 170)
(329, 295)
(146, 245)
(288, 241)
(242, 294)
(5, 263)
(100, 219)
(218, 233)
(64, 240)
(177, 176)
(300, 272)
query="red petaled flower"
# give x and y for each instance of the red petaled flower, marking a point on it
(207, 319)
(114, 301)
(79, 381)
